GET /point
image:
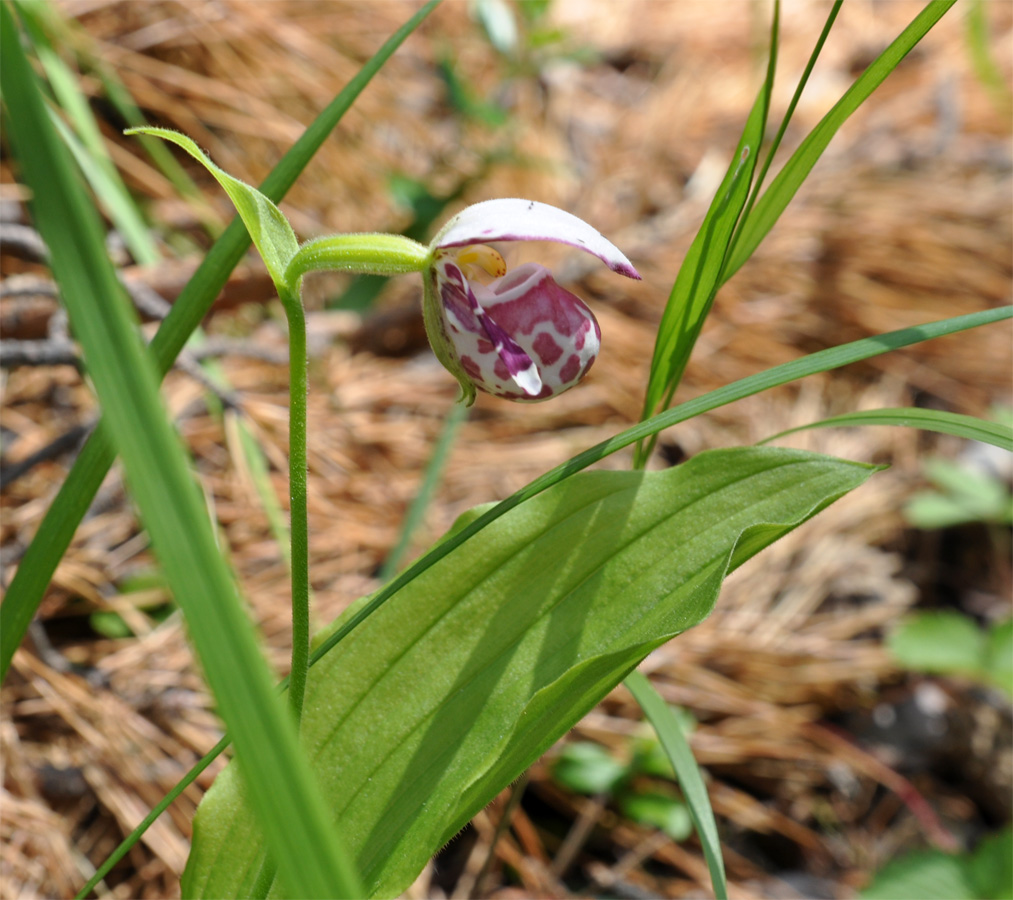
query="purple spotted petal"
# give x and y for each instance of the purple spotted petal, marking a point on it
(521, 337)
(529, 220)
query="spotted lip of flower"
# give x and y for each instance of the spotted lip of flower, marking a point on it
(521, 336)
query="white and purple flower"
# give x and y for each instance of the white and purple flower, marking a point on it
(521, 336)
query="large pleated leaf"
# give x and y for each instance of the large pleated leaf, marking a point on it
(465, 676)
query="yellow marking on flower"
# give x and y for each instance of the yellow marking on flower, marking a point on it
(481, 256)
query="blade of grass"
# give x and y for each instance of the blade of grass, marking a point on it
(823, 361)
(776, 143)
(661, 718)
(985, 66)
(119, 206)
(970, 427)
(150, 818)
(677, 748)
(256, 463)
(57, 528)
(665, 376)
(296, 824)
(248, 456)
(430, 479)
(86, 142)
(673, 741)
(68, 34)
(700, 273)
(774, 200)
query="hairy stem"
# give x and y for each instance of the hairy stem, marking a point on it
(297, 497)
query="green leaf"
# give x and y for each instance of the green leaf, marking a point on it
(966, 495)
(78, 490)
(823, 360)
(660, 810)
(109, 624)
(85, 140)
(430, 480)
(924, 875)
(588, 768)
(983, 494)
(269, 229)
(985, 65)
(674, 739)
(942, 642)
(299, 831)
(466, 101)
(789, 112)
(930, 510)
(699, 275)
(970, 427)
(467, 674)
(990, 867)
(787, 182)
(469, 525)
(999, 656)
(650, 757)
(985, 874)
(949, 643)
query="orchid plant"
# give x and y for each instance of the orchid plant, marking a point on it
(520, 336)
(533, 609)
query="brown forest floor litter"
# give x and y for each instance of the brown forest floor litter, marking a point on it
(906, 219)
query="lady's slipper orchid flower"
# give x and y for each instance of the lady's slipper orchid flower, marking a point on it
(521, 336)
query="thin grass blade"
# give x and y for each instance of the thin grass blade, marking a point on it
(85, 140)
(150, 818)
(282, 790)
(69, 35)
(776, 143)
(784, 186)
(247, 455)
(700, 274)
(430, 480)
(970, 427)
(116, 203)
(75, 496)
(252, 455)
(986, 66)
(679, 753)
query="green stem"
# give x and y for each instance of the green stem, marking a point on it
(365, 254)
(297, 386)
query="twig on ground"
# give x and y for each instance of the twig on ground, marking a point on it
(23, 241)
(65, 443)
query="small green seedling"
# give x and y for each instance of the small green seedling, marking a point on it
(643, 788)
